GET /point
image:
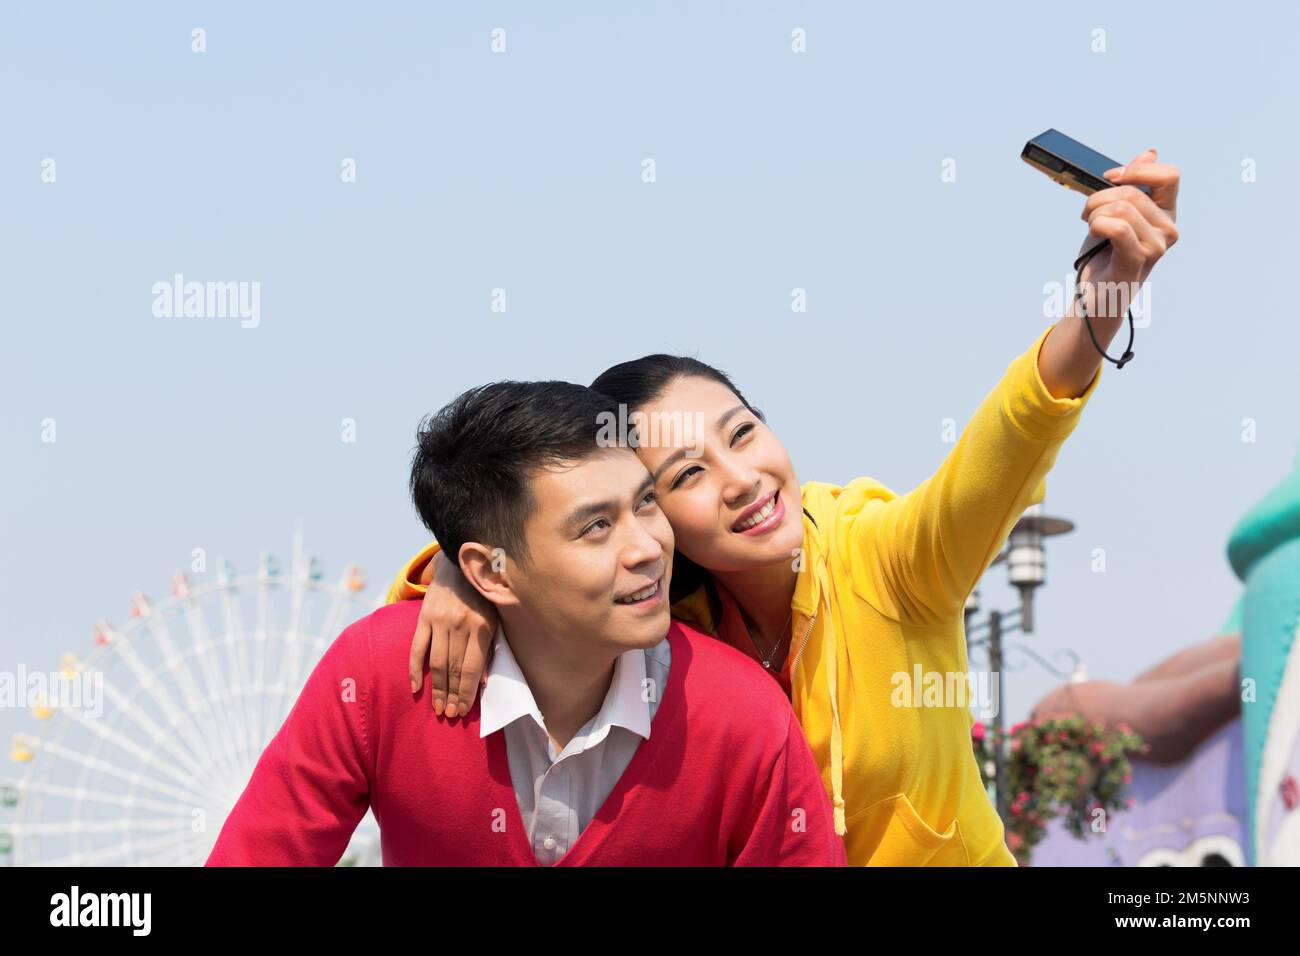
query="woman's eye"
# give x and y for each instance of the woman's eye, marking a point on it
(742, 431)
(684, 475)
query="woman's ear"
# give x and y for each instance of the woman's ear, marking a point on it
(487, 569)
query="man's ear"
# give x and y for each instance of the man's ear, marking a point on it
(487, 570)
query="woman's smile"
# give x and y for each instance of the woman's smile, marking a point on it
(763, 516)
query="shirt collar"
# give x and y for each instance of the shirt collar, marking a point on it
(506, 696)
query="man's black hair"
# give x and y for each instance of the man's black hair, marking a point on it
(474, 460)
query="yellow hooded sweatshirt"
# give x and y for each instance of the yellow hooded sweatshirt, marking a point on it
(878, 602)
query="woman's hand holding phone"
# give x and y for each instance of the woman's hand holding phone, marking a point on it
(1140, 228)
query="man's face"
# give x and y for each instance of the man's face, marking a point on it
(599, 554)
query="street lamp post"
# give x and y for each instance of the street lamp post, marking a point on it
(1026, 562)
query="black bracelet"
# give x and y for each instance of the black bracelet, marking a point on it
(1079, 263)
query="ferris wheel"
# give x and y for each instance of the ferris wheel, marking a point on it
(140, 750)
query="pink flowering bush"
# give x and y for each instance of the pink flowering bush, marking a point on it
(1060, 766)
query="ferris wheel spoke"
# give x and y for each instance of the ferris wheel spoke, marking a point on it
(279, 708)
(172, 832)
(241, 674)
(126, 707)
(107, 734)
(120, 825)
(290, 673)
(257, 659)
(224, 764)
(229, 699)
(174, 661)
(214, 696)
(292, 670)
(218, 752)
(330, 628)
(209, 750)
(103, 797)
(148, 682)
(77, 758)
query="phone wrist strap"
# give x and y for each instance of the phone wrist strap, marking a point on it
(1079, 263)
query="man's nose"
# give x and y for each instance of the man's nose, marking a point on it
(642, 548)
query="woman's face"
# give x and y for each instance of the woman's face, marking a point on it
(723, 478)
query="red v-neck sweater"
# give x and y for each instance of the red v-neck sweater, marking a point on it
(726, 777)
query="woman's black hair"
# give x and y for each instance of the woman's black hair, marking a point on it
(634, 385)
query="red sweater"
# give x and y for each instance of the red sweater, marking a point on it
(726, 777)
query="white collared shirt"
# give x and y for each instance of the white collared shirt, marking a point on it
(559, 794)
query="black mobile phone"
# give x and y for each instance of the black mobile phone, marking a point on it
(1070, 163)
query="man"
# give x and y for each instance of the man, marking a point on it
(606, 735)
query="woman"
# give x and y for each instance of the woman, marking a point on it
(843, 593)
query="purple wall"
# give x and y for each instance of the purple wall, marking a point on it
(1184, 814)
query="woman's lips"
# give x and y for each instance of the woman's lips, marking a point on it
(772, 511)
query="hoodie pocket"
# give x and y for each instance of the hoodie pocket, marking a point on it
(891, 833)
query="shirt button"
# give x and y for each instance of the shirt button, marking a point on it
(549, 843)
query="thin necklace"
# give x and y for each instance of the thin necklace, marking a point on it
(780, 639)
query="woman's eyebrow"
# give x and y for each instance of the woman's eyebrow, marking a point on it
(667, 463)
(726, 416)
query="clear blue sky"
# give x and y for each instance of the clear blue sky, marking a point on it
(522, 171)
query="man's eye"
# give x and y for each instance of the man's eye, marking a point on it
(684, 475)
(650, 498)
(593, 526)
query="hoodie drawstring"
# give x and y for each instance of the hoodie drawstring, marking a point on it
(832, 688)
